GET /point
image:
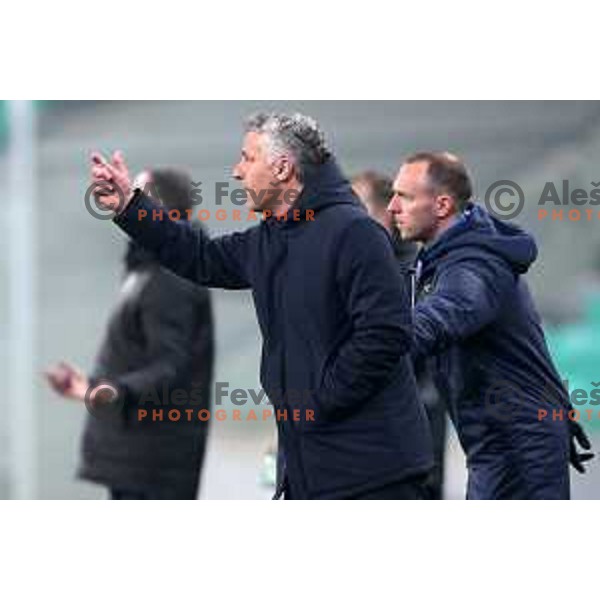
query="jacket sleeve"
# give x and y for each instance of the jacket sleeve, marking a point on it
(378, 303)
(187, 250)
(170, 322)
(467, 297)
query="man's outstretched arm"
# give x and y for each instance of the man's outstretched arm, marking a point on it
(182, 248)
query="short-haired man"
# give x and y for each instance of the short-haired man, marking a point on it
(332, 308)
(475, 314)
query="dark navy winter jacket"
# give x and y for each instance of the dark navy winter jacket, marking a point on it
(476, 321)
(336, 322)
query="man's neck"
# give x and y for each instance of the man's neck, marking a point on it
(443, 226)
(283, 203)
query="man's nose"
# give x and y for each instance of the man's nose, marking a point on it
(237, 172)
(394, 205)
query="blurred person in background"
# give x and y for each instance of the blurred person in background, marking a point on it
(332, 307)
(475, 315)
(375, 191)
(159, 339)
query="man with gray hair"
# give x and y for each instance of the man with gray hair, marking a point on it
(333, 310)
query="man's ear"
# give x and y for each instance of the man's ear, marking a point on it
(445, 206)
(283, 169)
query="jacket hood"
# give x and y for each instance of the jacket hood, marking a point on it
(477, 234)
(324, 185)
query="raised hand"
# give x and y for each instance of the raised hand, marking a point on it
(112, 181)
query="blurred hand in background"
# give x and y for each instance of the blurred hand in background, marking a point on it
(67, 381)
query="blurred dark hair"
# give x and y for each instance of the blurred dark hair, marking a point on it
(379, 187)
(447, 174)
(174, 188)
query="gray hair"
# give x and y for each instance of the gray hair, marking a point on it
(297, 135)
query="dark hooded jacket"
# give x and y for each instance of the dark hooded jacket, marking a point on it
(475, 316)
(336, 322)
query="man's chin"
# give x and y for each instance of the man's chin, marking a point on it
(253, 207)
(403, 234)
(262, 207)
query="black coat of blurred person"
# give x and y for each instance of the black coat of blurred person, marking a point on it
(159, 337)
(375, 191)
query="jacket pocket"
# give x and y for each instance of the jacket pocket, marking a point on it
(322, 394)
(330, 356)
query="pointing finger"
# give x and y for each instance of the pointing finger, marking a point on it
(98, 159)
(118, 160)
